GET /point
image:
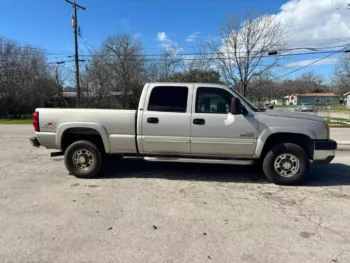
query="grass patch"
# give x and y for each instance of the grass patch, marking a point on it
(338, 119)
(333, 108)
(337, 122)
(16, 121)
(284, 106)
(323, 108)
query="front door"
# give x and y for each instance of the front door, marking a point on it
(215, 131)
(166, 120)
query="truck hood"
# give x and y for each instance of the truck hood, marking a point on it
(288, 114)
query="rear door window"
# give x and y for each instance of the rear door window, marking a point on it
(168, 99)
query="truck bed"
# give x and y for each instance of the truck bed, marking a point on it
(119, 125)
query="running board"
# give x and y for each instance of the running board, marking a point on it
(196, 160)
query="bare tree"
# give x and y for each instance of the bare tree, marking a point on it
(163, 67)
(262, 89)
(23, 70)
(241, 56)
(341, 74)
(115, 72)
(124, 57)
(97, 83)
(311, 77)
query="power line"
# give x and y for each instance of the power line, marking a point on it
(313, 9)
(63, 53)
(194, 56)
(310, 64)
(35, 48)
(181, 56)
(214, 56)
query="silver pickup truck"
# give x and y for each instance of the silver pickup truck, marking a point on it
(188, 122)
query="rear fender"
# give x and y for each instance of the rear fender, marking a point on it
(98, 127)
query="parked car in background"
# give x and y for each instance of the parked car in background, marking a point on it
(305, 107)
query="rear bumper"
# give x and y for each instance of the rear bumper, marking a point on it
(34, 142)
(324, 151)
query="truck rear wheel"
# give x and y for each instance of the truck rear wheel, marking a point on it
(286, 164)
(83, 159)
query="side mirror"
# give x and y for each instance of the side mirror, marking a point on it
(236, 106)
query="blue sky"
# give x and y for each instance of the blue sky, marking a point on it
(47, 23)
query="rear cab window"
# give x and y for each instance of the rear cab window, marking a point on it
(168, 99)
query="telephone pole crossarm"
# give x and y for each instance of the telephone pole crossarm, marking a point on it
(75, 4)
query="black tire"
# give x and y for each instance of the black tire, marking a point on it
(91, 154)
(275, 153)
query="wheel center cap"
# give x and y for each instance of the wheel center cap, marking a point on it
(82, 159)
(287, 165)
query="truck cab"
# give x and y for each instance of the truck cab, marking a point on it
(196, 119)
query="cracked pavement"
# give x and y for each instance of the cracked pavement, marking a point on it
(166, 212)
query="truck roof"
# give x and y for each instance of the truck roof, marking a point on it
(187, 84)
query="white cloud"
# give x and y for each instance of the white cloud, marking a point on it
(125, 23)
(161, 36)
(311, 24)
(192, 37)
(167, 43)
(137, 35)
(315, 23)
(303, 63)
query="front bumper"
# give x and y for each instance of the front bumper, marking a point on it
(34, 142)
(324, 151)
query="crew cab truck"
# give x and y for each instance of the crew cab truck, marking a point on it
(188, 122)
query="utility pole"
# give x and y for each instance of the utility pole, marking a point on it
(75, 26)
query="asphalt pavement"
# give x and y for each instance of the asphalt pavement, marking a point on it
(160, 212)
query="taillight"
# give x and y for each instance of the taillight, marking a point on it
(36, 121)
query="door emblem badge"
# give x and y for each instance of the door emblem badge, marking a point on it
(250, 135)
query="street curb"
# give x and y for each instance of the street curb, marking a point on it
(343, 146)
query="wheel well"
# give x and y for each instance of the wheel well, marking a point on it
(72, 135)
(302, 140)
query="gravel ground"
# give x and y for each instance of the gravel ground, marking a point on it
(152, 212)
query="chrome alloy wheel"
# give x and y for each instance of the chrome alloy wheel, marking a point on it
(83, 159)
(287, 165)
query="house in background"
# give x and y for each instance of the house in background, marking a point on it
(319, 98)
(290, 100)
(346, 97)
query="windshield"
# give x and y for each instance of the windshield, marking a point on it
(251, 105)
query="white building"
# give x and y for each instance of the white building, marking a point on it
(347, 99)
(290, 100)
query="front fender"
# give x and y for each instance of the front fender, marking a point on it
(95, 126)
(266, 133)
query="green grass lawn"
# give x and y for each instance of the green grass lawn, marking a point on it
(333, 108)
(338, 119)
(337, 122)
(338, 125)
(284, 106)
(16, 121)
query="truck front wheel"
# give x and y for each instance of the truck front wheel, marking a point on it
(83, 159)
(286, 164)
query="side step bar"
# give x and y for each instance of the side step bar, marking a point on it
(56, 154)
(195, 160)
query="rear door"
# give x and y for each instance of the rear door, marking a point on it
(166, 120)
